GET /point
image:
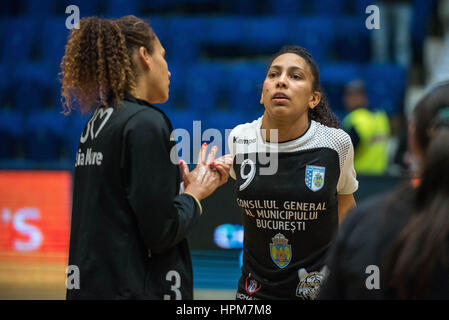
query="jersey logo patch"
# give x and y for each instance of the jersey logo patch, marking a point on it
(251, 287)
(309, 283)
(280, 251)
(315, 177)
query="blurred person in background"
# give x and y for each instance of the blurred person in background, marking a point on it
(130, 214)
(369, 130)
(404, 234)
(290, 215)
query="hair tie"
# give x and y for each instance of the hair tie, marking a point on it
(443, 113)
(441, 121)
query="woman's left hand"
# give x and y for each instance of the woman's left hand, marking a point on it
(223, 166)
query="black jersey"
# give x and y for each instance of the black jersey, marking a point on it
(287, 193)
(129, 222)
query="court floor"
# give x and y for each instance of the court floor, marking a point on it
(215, 277)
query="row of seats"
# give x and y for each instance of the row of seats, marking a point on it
(187, 39)
(120, 7)
(39, 136)
(43, 135)
(220, 93)
(49, 135)
(207, 86)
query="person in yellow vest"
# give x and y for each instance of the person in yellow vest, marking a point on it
(369, 131)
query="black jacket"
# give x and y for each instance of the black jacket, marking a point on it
(129, 223)
(365, 241)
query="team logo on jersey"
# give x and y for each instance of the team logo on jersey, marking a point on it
(280, 251)
(315, 177)
(309, 283)
(251, 285)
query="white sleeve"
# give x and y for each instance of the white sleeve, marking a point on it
(347, 183)
(231, 147)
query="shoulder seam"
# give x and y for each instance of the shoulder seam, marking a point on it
(340, 143)
(131, 117)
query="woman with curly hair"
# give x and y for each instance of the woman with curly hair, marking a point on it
(292, 200)
(130, 214)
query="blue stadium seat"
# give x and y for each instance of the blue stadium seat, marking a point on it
(45, 135)
(53, 96)
(53, 39)
(185, 38)
(161, 27)
(157, 6)
(11, 132)
(205, 83)
(244, 7)
(31, 86)
(285, 7)
(314, 34)
(267, 34)
(328, 7)
(177, 86)
(334, 78)
(385, 84)
(119, 8)
(5, 84)
(18, 40)
(422, 11)
(339, 72)
(71, 138)
(40, 9)
(87, 7)
(245, 85)
(223, 119)
(225, 31)
(4, 33)
(9, 8)
(352, 42)
(183, 121)
(196, 1)
(360, 7)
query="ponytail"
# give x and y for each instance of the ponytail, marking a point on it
(98, 68)
(421, 246)
(323, 114)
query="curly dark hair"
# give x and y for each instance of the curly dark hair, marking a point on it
(97, 68)
(322, 112)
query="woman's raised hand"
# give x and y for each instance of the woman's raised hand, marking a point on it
(223, 166)
(208, 174)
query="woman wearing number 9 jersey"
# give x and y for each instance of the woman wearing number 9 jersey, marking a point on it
(294, 182)
(130, 216)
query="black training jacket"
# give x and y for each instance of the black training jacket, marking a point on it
(129, 222)
(357, 261)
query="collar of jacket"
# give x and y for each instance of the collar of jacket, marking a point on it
(129, 97)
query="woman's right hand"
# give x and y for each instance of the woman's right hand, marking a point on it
(203, 180)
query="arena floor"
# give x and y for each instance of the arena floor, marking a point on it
(215, 278)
